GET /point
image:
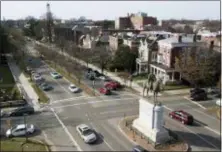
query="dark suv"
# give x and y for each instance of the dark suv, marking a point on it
(21, 111)
(198, 94)
(182, 116)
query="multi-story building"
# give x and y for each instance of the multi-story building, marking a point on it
(148, 50)
(168, 50)
(115, 41)
(140, 19)
(135, 21)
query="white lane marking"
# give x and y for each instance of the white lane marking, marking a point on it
(195, 103)
(91, 102)
(117, 111)
(110, 147)
(216, 132)
(197, 135)
(204, 114)
(199, 123)
(70, 99)
(66, 130)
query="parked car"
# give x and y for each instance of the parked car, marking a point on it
(196, 91)
(55, 75)
(214, 90)
(182, 116)
(112, 85)
(73, 88)
(138, 148)
(104, 78)
(86, 133)
(104, 91)
(37, 77)
(90, 75)
(20, 130)
(218, 102)
(97, 74)
(21, 111)
(45, 87)
(199, 96)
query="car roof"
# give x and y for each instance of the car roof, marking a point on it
(72, 85)
(21, 126)
(83, 127)
(183, 112)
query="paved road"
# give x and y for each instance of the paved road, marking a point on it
(104, 113)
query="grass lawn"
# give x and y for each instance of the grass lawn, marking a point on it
(15, 144)
(42, 96)
(8, 83)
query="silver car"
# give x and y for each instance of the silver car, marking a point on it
(86, 133)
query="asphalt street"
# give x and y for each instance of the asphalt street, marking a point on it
(67, 110)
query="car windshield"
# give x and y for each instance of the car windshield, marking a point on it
(87, 132)
(13, 128)
(73, 87)
(55, 73)
(44, 85)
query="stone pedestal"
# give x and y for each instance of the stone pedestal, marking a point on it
(150, 122)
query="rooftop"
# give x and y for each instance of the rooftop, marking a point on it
(175, 40)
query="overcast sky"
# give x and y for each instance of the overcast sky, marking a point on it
(98, 10)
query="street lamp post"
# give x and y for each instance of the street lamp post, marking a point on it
(94, 87)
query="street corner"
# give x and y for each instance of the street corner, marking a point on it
(214, 111)
(125, 126)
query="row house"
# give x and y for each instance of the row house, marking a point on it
(168, 50)
(88, 41)
(147, 52)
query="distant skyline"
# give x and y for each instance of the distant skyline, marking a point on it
(100, 10)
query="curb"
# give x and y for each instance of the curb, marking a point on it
(120, 129)
(45, 143)
(218, 114)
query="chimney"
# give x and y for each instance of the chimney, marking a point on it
(180, 38)
(194, 38)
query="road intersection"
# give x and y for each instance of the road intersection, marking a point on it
(103, 113)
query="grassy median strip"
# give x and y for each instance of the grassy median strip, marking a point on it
(72, 79)
(42, 96)
(19, 144)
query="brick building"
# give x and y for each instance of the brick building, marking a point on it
(135, 21)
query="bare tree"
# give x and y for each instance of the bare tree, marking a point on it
(199, 70)
(102, 56)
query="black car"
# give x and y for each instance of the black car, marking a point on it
(199, 96)
(196, 90)
(22, 111)
(97, 74)
(139, 149)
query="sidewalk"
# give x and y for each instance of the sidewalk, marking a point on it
(24, 85)
(134, 85)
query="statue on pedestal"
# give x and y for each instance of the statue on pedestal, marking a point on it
(154, 85)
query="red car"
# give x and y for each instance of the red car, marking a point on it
(182, 116)
(112, 85)
(105, 91)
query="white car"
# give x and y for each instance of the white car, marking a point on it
(218, 102)
(73, 88)
(86, 133)
(20, 130)
(37, 77)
